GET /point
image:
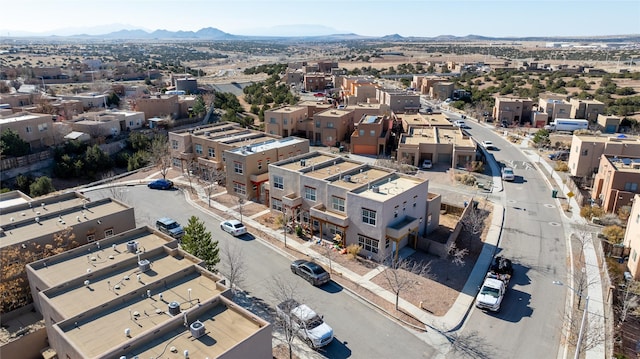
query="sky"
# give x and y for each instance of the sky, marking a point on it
(501, 18)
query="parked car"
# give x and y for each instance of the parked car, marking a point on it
(160, 184)
(234, 227)
(170, 226)
(427, 164)
(310, 271)
(305, 323)
(488, 145)
(459, 123)
(559, 156)
(507, 174)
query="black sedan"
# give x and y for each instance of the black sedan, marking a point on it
(310, 271)
(160, 184)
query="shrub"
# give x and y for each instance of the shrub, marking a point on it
(562, 166)
(613, 234)
(610, 219)
(353, 250)
(466, 179)
(589, 212)
(475, 166)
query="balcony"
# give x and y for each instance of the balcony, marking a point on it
(292, 200)
(321, 213)
(402, 228)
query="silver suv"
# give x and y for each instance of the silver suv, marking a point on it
(170, 227)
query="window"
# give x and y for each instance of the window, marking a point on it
(329, 124)
(368, 244)
(284, 121)
(174, 144)
(91, 237)
(177, 162)
(276, 204)
(260, 164)
(272, 120)
(310, 193)
(108, 233)
(386, 243)
(337, 203)
(395, 212)
(212, 152)
(635, 255)
(369, 216)
(585, 152)
(268, 161)
(130, 123)
(42, 127)
(29, 129)
(238, 168)
(198, 148)
(239, 188)
(361, 133)
(278, 182)
(631, 187)
(318, 124)
(372, 133)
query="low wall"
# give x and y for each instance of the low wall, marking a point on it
(442, 249)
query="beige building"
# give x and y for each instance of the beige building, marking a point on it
(371, 135)
(247, 166)
(354, 203)
(173, 106)
(584, 156)
(587, 109)
(17, 100)
(554, 107)
(89, 100)
(285, 121)
(512, 110)
(608, 124)
(632, 238)
(315, 81)
(442, 90)
(137, 295)
(330, 126)
(399, 101)
(616, 182)
(107, 123)
(434, 138)
(33, 128)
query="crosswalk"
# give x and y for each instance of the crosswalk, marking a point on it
(519, 165)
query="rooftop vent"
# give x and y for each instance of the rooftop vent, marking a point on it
(132, 246)
(303, 163)
(174, 308)
(375, 189)
(144, 265)
(347, 178)
(207, 134)
(197, 329)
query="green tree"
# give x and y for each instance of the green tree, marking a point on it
(613, 234)
(113, 100)
(197, 241)
(41, 186)
(23, 182)
(138, 141)
(12, 145)
(199, 107)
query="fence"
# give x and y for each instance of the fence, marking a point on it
(15, 162)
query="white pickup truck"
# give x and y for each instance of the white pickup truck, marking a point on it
(495, 285)
(305, 323)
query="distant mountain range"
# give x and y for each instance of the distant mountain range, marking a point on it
(210, 33)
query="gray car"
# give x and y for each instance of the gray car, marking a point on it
(310, 271)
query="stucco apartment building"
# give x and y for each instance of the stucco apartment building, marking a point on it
(16, 100)
(512, 110)
(425, 84)
(173, 106)
(399, 101)
(285, 121)
(33, 128)
(554, 107)
(88, 100)
(442, 90)
(587, 109)
(632, 238)
(433, 138)
(358, 89)
(247, 166)
(616, 182)
(315, 81)
(377, 208)
(586, 150)
(608, 123)
(371, 135)
(331, 126)
(138, 295)
(107, 123)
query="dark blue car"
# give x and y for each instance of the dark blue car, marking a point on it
(160, 184)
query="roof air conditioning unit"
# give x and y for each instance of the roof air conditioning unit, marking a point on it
(375, 189)
(132, 246)
(303, 163)
(207, 134)
(144, 265)
(174, 308)
(197, 329)
(347, 178)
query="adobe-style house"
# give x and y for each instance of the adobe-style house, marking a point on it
(587, 109)
(585, 152)
(371, 135)
(632, 238)
(616, 182)
(34, 128)
(554, 107)
(355, 203)
(107, 123)
(608, 123)
(399, 101)
(512, 110)
(173, 106)
(284, 121)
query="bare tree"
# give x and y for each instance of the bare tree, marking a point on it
(115, 191)
(580, 279)
(473, 221)
(457, 255)
(233, 265)
(210, 180)
(592, 336)
(160, 155)
(241, 201)
(629, 300)
(469, 345)
(403, 275)
(282, 291)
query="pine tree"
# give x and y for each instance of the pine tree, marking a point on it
(197, 241)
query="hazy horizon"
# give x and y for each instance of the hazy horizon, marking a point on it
(425, 18)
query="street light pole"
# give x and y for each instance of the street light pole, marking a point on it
(582, 324)
(284, 211)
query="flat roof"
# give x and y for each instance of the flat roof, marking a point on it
(371, 119)
(309, 160)
(314, 103)
(267, 145)
(19, 223)
(334, 112)
(100, 332)
(389, 187)
(74, 263)
(24, 117)
(328, 169)
(288, 109)
(612, 138)
(225, 327)
(359, 177)
(73, 299)
(417, 119)
(625, 164)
